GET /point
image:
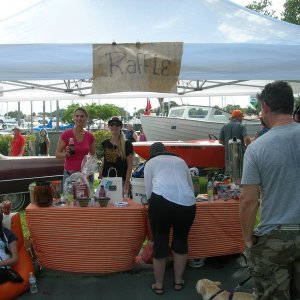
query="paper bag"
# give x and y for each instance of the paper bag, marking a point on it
(113, 187)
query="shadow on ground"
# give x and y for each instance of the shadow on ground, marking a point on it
(136, 284)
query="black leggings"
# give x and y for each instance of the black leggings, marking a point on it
(162, 215)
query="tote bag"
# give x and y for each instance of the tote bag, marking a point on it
(113, 186)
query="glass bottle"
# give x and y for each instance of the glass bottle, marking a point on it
(71, 146)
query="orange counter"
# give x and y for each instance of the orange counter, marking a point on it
(87, 239)
(216, 230)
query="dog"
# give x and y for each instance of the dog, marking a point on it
(210, 290)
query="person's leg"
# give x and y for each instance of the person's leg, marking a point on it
(179, 263)
(182, 222)
(159, 267)
(270, 265)
(295, 286)
(160, 227)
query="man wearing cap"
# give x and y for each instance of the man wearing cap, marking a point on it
(18, 143)
(234, 128)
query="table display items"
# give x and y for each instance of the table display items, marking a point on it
(220, 186)
(77, 186)
(112, 186)
(56, 190)
(43, 194)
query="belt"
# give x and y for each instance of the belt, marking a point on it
(294, 227)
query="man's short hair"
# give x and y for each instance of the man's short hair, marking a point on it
(279, 97)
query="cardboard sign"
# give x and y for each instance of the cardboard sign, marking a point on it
(151, 67)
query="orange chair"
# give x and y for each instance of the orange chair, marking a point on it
(10, 290)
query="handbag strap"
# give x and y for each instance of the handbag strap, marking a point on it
(110, 169)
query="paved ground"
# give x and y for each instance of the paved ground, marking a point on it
(136, 283)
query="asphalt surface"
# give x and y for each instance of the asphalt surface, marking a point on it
(135, 284)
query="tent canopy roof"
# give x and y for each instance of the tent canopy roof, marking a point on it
(52, 39)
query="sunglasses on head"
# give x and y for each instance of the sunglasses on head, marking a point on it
(116, 124)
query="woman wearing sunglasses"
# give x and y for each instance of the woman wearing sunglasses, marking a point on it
(118, 153)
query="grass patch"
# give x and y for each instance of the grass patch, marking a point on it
(24, 225)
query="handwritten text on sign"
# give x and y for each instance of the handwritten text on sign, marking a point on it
(152, 67)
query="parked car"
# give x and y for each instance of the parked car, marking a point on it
(16, 173)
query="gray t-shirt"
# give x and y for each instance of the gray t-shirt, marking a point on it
(273, 162)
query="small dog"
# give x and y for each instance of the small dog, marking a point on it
(209, 289)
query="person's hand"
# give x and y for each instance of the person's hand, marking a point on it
(251, 241)
(68, 154)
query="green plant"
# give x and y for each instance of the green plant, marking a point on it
(5, 144)
(100, 136)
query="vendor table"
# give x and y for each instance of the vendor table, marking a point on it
(87, 239)
(216, 230)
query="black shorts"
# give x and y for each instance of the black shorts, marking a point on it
(163, 215)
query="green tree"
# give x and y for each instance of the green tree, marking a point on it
(229, 108)
(14, 114)
(291, 11)
(108, 110)
(67, 116)
(262, 6)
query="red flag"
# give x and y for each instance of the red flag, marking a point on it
(148, 108)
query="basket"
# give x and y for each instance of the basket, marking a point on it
(83, 202)
(103, 201)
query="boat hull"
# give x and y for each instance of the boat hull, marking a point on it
(159, 128)
(196, 153)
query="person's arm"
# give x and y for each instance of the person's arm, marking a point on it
(135, 136)
(129, 159)
(62, 151)
(93, 148)
(22, 147)
(249, 205)
(48, 146)
(14, 255)
(247, 140)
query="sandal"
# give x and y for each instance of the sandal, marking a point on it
(157, 291)
(179, 286)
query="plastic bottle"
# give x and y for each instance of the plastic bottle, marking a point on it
(71, 146)
(102, 191)
(32, 283)
(210, 191)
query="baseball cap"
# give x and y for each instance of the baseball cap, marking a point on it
(237, 113)
(115, 120)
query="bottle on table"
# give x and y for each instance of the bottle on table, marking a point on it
(32, 283)
(102, 191)
(210, 191)
(71, 146)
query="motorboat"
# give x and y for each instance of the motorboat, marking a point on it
(190, 122)
(196, 153)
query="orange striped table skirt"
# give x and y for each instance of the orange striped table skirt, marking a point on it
(87, 239)
(216, 230)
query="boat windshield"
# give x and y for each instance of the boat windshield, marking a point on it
(198, 112)
(176, 112)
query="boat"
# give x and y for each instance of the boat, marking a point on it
(196, 153)
(190, 122)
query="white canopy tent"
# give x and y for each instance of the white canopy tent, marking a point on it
(47, 48)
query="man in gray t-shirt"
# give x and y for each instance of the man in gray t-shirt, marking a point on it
(271, 172)
(234, 128)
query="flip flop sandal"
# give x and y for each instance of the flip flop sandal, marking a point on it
(157, 291)
(178, 286)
